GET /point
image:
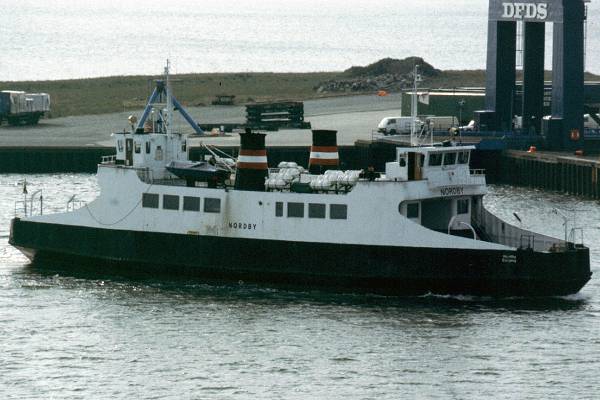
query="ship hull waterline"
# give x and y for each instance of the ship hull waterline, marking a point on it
(387, 270)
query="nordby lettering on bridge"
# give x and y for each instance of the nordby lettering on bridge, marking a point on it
(452, 191)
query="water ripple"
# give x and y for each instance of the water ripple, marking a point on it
(73, 335)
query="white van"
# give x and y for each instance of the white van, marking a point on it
(397, 125)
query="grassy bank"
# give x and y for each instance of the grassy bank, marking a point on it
(111, 94)
(103, 95)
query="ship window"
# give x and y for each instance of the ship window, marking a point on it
(338, 211)
(462, 206)
(212, 205)
(463, 157)
(449, 158)
(191, 203)
(138, 148)
(316, 210)
(435, 159)
(148, 147)
(183, 146)
(295, 210)
(412, 210)
(149, 200)
(158, 155)
(279, 209)
(402, 162)
(391, 121)
(170, 202)
(120, 145)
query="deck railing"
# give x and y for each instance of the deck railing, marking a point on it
(74, 204)
(27, 207)
(499, 231)
(109, 159)
(145, 175)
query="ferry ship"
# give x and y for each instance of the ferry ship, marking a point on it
(418, 227)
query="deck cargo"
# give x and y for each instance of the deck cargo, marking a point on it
(20, 108)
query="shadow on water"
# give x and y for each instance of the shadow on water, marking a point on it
(193, 289)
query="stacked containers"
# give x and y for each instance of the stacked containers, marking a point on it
(39, 102)
(252, 167)
(323, 152)
(22, 103)
(4, 104)
(18, 104)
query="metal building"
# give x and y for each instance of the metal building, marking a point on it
(564, 127)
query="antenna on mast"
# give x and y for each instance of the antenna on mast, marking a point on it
(169, 100)
(414, 141)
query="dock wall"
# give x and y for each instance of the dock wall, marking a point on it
(29, 160)
(551, 171)
(548, 171)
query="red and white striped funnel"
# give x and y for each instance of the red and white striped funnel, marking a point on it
(252, 166)
(323, 152)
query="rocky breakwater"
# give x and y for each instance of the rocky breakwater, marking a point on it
(389, 74)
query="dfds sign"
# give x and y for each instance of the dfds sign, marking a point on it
(530, 11)
(525, 11)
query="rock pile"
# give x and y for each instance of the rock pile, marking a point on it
(388, 74)
(388, 82)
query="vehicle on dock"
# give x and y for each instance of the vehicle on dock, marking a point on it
(398, 125)
(440, 123)
(418, 227)
(20, 108)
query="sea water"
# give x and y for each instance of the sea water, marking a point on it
(70, 335)
(63, 39)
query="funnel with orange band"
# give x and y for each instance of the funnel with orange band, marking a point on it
(252, 167)
(323, 152)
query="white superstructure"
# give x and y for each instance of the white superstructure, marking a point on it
(423, 193)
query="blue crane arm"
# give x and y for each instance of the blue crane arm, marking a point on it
(187, 116)
(148, 108)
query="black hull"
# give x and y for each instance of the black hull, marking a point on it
(403, 271)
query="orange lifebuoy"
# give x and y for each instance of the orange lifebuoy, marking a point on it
(575, 135)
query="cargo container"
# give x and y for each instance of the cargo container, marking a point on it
(20, 108)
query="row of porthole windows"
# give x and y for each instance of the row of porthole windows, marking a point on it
(190, 203)
(315, 210)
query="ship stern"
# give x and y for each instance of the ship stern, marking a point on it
(555, 274)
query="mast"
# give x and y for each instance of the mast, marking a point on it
(169, 100)
(401, 95)
(414, 141)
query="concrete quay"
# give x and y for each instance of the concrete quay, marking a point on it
(76, 144)
(354, 117)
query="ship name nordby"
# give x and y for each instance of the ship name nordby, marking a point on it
(242, 226)
(453, 191)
